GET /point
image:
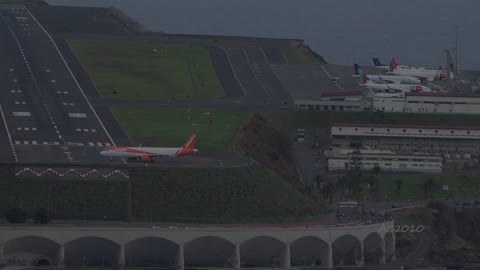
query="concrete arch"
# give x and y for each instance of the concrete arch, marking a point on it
(150, 252)
(308, 251)
(346, 250)
(208, 251)
(262, 251)
(372, 248)
(91, 252)
(30, 248)
(390, 245)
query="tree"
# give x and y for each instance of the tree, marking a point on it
(376, 170)
(398, 186)
(428, 186)
(328, 191)
(371, 183)
(355, 166)
(41, 216)
(16, 215)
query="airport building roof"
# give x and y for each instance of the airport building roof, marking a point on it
(312, 82)
(405, 126)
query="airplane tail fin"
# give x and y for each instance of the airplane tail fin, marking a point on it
(189, 146)
(357, 69)
(393, 64)
(376, 62)
(364, 77)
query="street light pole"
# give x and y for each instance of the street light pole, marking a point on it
(456, 49)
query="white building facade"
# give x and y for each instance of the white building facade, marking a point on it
(391, 162)
(403, 139)
(428, 103)
(333, 101)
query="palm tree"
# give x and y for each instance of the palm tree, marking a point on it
(398, 186)
(428, 186)
(328, 191)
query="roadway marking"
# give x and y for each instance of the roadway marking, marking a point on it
(31, 74)
(62, 92)
(53, 81)
(11, 69)
(16, 91)
(20, 102)
(255, 73)
(75, 143)
(73, 77)
(68, 104)
(21, 114)
(8, 134)
(77, 115)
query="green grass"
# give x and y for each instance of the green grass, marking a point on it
(461, 186)
(170, 127)
(64, 199)
(298, 55)
(134, 71)
(181, 195)
(220, 195)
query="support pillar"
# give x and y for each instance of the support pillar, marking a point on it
(60, 256)
(236, 257)
(286, 257)
(329, 262)
(121, 257)
(180, 258)
(382, 247)
(361, 259)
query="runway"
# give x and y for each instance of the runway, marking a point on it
(45, 111)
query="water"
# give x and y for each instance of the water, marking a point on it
(343, 31)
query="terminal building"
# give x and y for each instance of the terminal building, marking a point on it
(389, 162)
(429, 103)
(408, 139)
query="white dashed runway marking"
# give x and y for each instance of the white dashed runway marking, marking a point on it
(77, 115)
(21, 114)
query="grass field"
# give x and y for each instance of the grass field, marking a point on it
(221, 195)
(460, 186)
(64, 199)
(151, 126)
(131, 70)
(182, 195)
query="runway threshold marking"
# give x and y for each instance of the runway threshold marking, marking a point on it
(8, 134)
(73, 77)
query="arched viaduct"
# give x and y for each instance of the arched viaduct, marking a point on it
(179, 248)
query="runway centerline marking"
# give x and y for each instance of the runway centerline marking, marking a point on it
(73, 76)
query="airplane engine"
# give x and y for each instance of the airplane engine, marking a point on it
(145, 158)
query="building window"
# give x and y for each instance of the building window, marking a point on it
(420, 130)
(404, 130)
(436, 131)
(451, 131)
(339, 128)
(468, 132)
(388, 129)
(371, 129)
(356, 129)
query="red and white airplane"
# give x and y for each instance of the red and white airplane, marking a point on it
(148, 153)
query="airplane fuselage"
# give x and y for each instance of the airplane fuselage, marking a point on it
(394, 79)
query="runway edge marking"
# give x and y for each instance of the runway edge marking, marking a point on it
(73, 76)
(8, 133)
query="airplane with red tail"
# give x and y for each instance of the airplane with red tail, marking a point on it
(147, 154)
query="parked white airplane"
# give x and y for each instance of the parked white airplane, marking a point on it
(378, 64)
(387, 78)
(148, 153)
(393, 88)
(426, 74)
